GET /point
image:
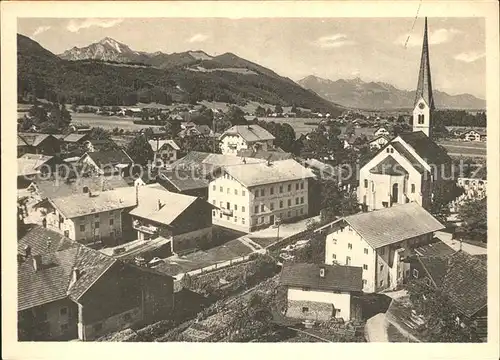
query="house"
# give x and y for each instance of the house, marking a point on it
(106, 162)
(322, 292)
(463, 278)
(271, 155)
(185, 220)
(253, 196)
(72, 140)
(240, 137)
(94, 145)
(378, 142)
(165, 152)
(33, 166)
(189, 132)
(69, 291)
(381, 131)
(184, 182)
(377, 240)
(37, 143)
(475, 135)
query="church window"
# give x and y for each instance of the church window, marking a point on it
(366, 183)
(412, 188)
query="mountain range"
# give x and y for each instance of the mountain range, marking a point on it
(111, 73)
(378, 95)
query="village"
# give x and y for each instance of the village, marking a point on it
(216, 224)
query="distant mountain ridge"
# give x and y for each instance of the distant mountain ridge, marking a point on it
(95, 75)
(378, 95)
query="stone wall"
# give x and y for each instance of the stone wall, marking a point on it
(315, 310)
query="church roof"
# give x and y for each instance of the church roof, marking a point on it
(427, 149)
(400, 148)
(389, 166)
(424, 86)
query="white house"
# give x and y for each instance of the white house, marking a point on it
(381, 131)
(475, 135)
(377, 240)
(322, 292)
(378, 142)
(165, 151)
(252, 196)
(240, 137)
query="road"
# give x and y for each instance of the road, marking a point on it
(455, 244)
(376, 328)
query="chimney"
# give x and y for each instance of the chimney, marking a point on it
(321, 272)
(37, 262)
(27, 251)
(49, 242)
(75, 275)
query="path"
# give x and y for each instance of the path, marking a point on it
(376, 328)
(455, 244)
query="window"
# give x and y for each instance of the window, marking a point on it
(235, 207)
(242, 209)
(221, 189)
(261, 219)
(301, 199)
(111, 222)
(301, 186)
(82, 228)
(214, 187)
(256, 210)
(289, 202)
(256, 193)
(243, 192)
(365, 267)
(127, 317)
(348, 260)
(281, 204)
(366, 183)
(235, 219)
(412, 188)
(221, 204)
(96, 216)
(64, 327)
(97, 327)
(415, 273)
(373, 186)
(297, 186)
(289, 187)
(213, 212)
(305, 309)
(85, 189)
(262, 208)
(364, 282)
(228, 206)
(365, 250)
(243, 220)
(349, 246)
(334, 256)
(271, 190)
(381, 267)
(63, 311)
(297, 201)
(220, 214)
(262, 191)
(381, 282)
(271, 206)
(387, 150)
(235, 191)
(281, 188)
(228, 190)
(227, 218)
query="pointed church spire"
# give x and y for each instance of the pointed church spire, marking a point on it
(424, 87)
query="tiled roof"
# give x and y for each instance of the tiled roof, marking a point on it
(337, 277)
(264, 173)
(42, 240)
(173, 204)
(400, 148)
(157, 145)
(265, 155)
(74, 137)
(250, 133)
(33, 139)
(183, 180)
(427, 149)
(57, 188)
(28, 164)
(112, 157)
(389, 166)
(462, 277)
(394, 224)
(78, 205)
(437, 248)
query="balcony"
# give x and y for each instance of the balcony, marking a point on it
(227, 212)
(148, 229)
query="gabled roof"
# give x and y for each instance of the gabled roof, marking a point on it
(392, 225)
(427, 149)
(462, 277)
(34, 139)
(401, 149)
(389, 166)
(173, 204)
(42, 240)
(29, 164)
(73, 138)
(249, 133)
(157, 145)
(111, 157)
(183, 180)
(337, 277)
(263, 173)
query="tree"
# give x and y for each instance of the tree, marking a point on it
(99, 133)
(443, 193)
(349, 129)
(473, 213)
(260, 111)
(235, 116)
(172, 128)
(139, 150)
(278, 109)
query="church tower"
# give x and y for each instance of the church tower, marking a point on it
(424, 101)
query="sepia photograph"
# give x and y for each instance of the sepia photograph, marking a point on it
(238, 179)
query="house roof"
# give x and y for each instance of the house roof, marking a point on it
(394, 224)
(427, 149)
(249, 133)
(157, 145)
(389, 166)
(57, 188)
(42, 240)
(400, 148)
(265, 155)
(173, 204)
(84, 204)
(437, 248)
(263, 173)
(111, 157)
(462, 277)
(326, 170)
(337, 277)
(28, 164)
(480, 131)
(184, 180)
(73, 138)
(34, 139)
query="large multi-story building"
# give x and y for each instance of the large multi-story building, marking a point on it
(377, 241)
(252, 196)
(241, 137)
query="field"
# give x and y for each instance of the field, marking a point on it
(464, 148)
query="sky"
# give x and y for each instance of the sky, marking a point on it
(372, 49)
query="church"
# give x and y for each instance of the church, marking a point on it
(408, 167)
